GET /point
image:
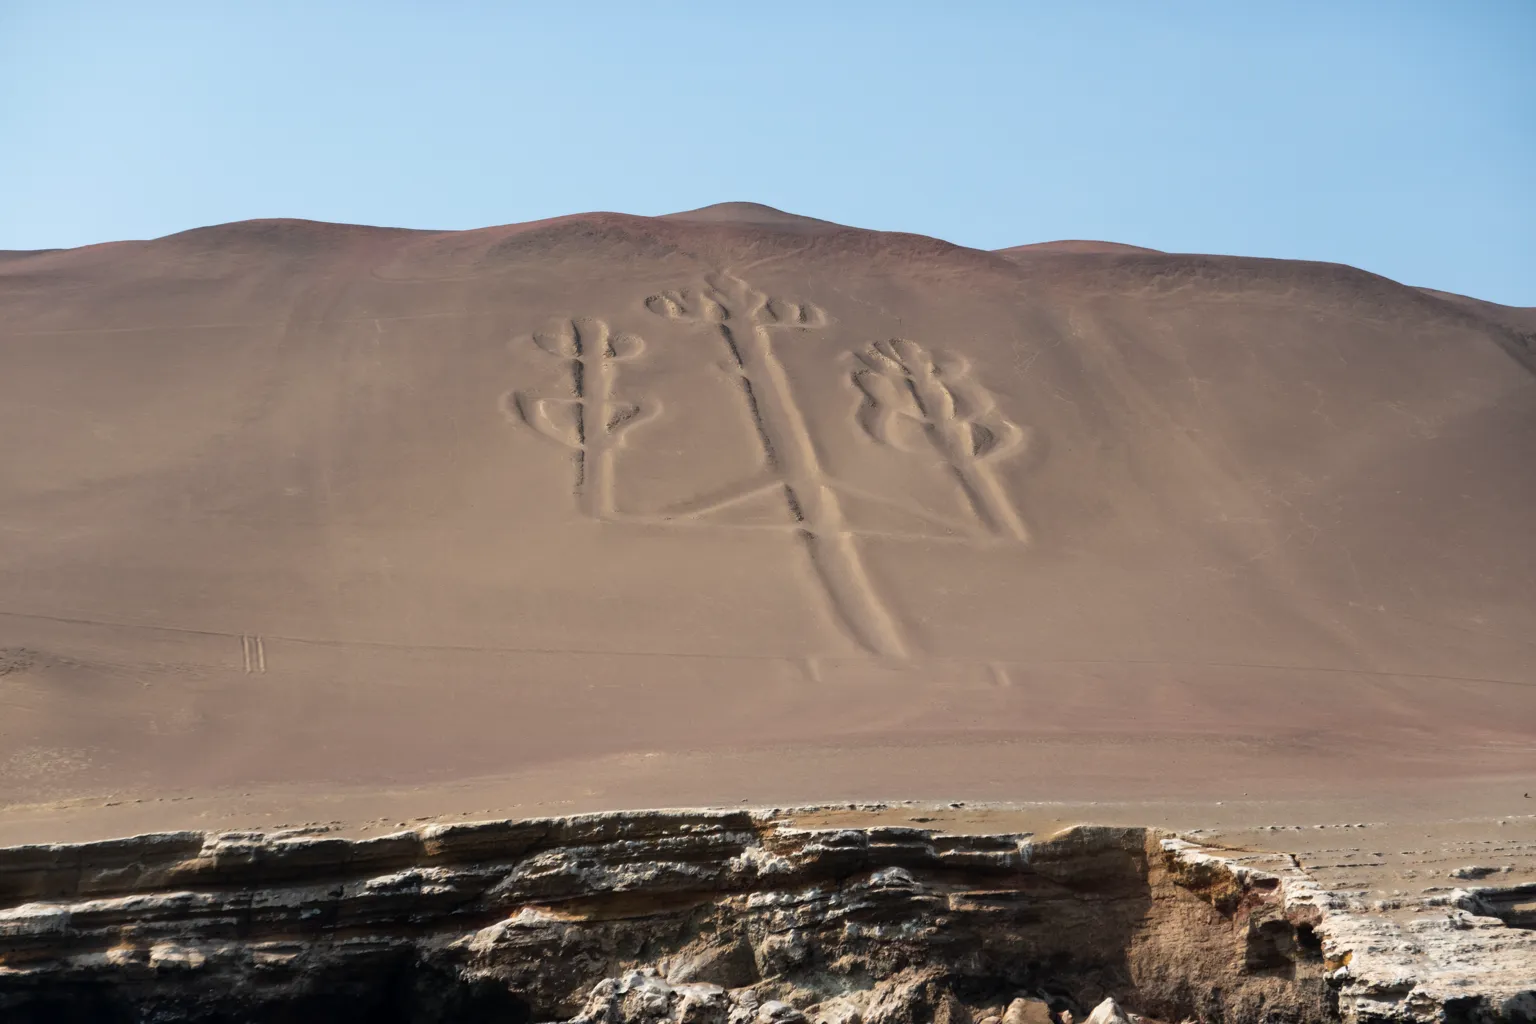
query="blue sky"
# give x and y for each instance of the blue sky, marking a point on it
(1395, 136)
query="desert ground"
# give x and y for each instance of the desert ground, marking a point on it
(307, 522)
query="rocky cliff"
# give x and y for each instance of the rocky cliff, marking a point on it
(722, 918)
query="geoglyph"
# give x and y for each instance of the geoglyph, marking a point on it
(925, 404)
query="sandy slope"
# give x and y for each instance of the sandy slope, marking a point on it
(307, 509)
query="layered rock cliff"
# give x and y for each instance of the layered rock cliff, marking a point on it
(720, 918)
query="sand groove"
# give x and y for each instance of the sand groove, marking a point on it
(253, 654)
(744, 317)
(908, 391)
(591, 422)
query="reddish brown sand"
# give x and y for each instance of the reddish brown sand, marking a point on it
(307, 521)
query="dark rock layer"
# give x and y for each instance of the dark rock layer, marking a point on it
(699, 917)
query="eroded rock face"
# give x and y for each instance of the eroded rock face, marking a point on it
(692, 917)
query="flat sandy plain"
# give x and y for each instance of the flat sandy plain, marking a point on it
(308, 522)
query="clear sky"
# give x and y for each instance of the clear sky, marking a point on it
(1396, 135)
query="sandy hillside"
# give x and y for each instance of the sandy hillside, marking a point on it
(737, 505)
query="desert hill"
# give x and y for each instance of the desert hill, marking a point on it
(733, 502)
